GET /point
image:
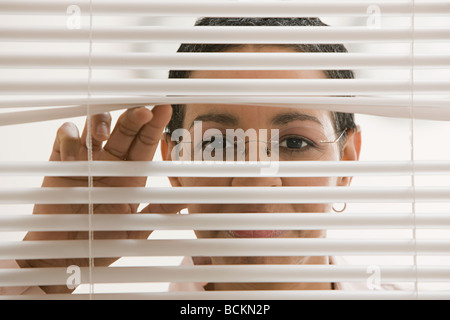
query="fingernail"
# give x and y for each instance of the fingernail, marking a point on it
(102, 130)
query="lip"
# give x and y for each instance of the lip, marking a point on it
(255, 233)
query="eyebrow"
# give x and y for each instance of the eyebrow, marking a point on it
(285, 118)
(222, 118)
(278, 120)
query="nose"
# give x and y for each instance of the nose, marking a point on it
(256, 150)
(253, 150)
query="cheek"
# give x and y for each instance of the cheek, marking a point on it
(301, 207)
(312, 182)
(204, 182)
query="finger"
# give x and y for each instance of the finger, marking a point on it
(67, 143)
(125, 131)
(147, 140)
(100, 129)
(155, 208)
(202, 260)
(163, 208)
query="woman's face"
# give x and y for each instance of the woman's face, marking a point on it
(291, 123)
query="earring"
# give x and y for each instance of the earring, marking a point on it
(340, 211)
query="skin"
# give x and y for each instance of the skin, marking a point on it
(136, 137)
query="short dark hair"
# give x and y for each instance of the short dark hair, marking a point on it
(342, 121)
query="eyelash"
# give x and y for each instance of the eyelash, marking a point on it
(309, 143)
(209, 140)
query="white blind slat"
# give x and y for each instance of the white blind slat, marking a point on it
(227, 8)
(224, 61)
(246, 295)
(239, 195)
(243, 273)
(277, 247)
(216, 221)
(225, 169)
(424, 113)
(226, 86)
(219, 34)
(13, 118)
(361, 102)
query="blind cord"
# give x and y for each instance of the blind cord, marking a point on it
(413, 175)
(90, 157)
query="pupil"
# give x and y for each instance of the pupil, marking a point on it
(294, 143)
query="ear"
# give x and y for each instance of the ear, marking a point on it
(351, 152)
(166, 153)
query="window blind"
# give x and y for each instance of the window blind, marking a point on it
(68, 61)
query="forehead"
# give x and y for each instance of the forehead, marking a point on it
(259, 74)
(246, 116)
(255, 116)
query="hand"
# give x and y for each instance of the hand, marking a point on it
(134, 138)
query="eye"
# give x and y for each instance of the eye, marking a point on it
(295, 143)
(217, 143)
